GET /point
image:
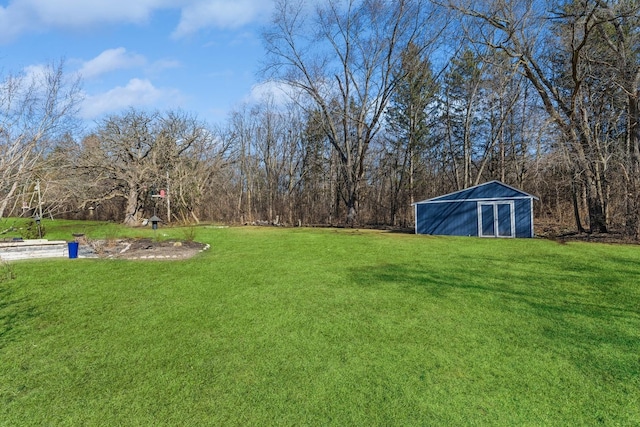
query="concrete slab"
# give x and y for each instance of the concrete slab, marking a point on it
(33, 249)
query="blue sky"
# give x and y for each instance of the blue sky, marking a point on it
(201, 56)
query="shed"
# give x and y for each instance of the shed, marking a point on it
(492, 209)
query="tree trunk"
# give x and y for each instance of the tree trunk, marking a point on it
(633, 174)
(576, 207)
(351, 201)
(597, 221)
(7, 197)
(132, 210)
(352, 212)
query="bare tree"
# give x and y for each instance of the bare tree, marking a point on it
(242, 129)
(343, 57)
(134, 154)
(186, 158)
(552, 44)
(462, 101)
(619, 63)
(194, 176)
(34, 108)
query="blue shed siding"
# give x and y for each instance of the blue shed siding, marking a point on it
(524, 208)
(452, 219)
(458, 214)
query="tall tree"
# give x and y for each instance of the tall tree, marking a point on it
(619, 63)
(186, 156)
(343, 58)
(462, 100)
(552, 44)
(408, 125)
(131, 154)
(242, 129)
(35, 108)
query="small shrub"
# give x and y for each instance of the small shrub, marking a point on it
(189, 233)
(31, 230)
(111, 239)
(6, 272)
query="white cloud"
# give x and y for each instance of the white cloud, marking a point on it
(221, 14)
(22, 16)
(36, 73)
(164, 64)
(278, 92)
(110, 60)
(13, 21)
(81, 13)
(137, 93)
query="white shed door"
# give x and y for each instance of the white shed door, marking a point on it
(496, 219)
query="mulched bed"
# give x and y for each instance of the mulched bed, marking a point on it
(142, 249)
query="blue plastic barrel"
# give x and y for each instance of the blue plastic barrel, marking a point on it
(73, 249)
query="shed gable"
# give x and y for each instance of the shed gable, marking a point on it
(488, 190)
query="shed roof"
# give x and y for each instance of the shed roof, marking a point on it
(488, 191)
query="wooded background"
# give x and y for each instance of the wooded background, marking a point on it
(388, 103)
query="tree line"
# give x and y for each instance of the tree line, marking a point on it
(388, 103)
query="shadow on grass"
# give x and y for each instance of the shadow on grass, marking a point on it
(14, 313)
(575, 317)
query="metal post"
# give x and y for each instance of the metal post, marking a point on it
(38, 218)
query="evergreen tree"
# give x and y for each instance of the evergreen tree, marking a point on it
(408, 124)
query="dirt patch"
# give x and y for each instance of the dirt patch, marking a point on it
(141, 249)
(611, 238)
(564, 234)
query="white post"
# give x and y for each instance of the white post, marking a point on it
(168, 200)
(39, 199)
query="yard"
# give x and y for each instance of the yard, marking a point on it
(324, 327)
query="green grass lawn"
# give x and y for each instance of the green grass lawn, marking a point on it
(324, 327)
